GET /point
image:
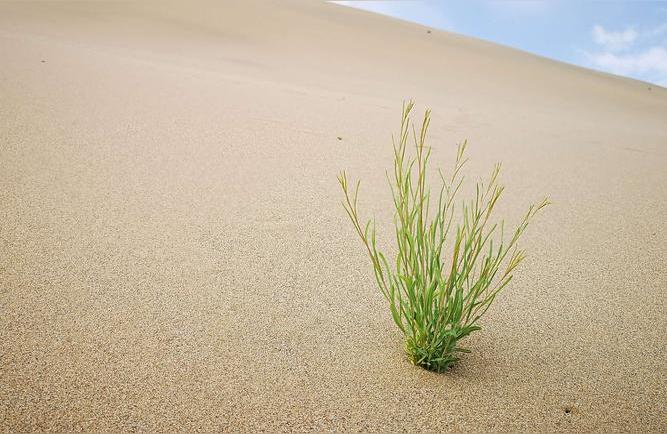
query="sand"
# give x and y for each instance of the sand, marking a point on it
(173, 254)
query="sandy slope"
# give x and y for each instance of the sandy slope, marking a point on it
(173, 254)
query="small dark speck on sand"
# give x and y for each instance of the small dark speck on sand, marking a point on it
(428, 31)
(568, 410)
(339, 138)
(650, 88)
(43, 61)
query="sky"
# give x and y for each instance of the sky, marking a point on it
(627, 38)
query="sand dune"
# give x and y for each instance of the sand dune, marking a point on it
(173, 254)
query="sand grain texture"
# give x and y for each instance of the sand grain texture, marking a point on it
(173, 255)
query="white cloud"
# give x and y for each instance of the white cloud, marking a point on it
(614, 41)
(650, 61)
(638, 54)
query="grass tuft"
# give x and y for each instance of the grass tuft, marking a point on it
(449, 268)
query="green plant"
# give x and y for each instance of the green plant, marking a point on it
(433, 301)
